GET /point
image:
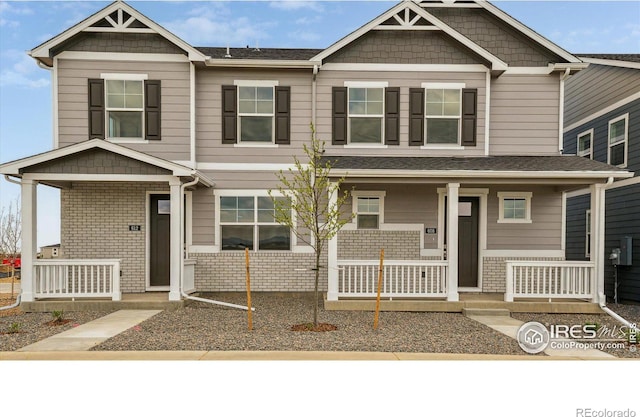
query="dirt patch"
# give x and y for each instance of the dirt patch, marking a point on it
(309, 327)
(58, 322)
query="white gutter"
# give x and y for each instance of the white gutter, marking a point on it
(261, 63)
(403, 173)
(603, 298)
(185, 295)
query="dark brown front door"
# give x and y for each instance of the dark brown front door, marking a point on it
(159, 237)
(468, 241)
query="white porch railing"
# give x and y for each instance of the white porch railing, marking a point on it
(401, 279)
(77, 278)
(189, 276)
(556, 279)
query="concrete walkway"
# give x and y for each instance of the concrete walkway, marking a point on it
(5, 287)
(509, 326)
(90, 334)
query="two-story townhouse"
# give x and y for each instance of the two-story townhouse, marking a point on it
(445, 117)
(602, 123)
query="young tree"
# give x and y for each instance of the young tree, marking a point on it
(10, 231)
(307, 211)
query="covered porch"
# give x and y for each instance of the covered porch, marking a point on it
(111, 228)
(512, 269)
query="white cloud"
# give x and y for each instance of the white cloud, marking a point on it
(21, 71)
(296, 5)
(303, 21)
(12, 78)
(305, 35)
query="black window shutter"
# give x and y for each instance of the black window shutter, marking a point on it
(283, 115)
(469, 116)
(416, 116)
(339, 112)
(392, 116)
(229, 114)
(96, 109)
(152, 124)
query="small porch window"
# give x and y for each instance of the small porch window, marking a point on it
(368, 208)
(585, 144)
(618, 134)
(515, 207)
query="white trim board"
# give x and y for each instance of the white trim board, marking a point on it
(617, 184)
(404, 67)
(121, 56)
(611, 62)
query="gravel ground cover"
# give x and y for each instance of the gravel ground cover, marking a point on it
(203, 326)
(629, 312)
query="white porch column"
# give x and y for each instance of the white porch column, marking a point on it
(452, 240)
(175, 251)
(332, 261)
(597, 238)
(29, 244)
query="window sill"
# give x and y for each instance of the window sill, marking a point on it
(119, 140)
(255, 145)
(366, 146)
(443, 147)
(525, 221)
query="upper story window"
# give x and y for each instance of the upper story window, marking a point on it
(515, 207)
(368, 207)
(247, 220)
(365, 113)
(442, 114)
(124, 108)
(618, 137)
(585, 144)
(256, 113)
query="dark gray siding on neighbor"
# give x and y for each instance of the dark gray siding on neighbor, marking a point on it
(623, 219)
(600, 128)
(576, 227)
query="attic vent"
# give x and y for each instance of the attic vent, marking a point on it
(408, 19)
(102, 23)
(114, 16)
(125, 16)
(138, 25)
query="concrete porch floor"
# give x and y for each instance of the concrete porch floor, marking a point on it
(139, 301)
(469, 301)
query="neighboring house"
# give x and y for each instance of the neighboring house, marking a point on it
(445, 117)
(602, 123)
(50, 251)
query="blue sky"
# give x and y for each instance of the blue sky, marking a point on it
(25, 89)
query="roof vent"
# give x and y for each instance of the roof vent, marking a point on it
(257, 48)
(228, 54)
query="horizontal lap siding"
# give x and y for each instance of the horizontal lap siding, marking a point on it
(405, 80)
(72, 103)
(524, 115)
(209, 147)
(597, 87)
(543, 233)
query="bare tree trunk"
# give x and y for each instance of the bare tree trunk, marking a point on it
(315, 304)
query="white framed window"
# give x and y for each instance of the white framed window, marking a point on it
(618, 138)
(124, 104)
(443, 110)
(515, 207)
(365, 112)
(584, 143)
(256, 103)
(368, 209)
(587, 237)
(245, 219)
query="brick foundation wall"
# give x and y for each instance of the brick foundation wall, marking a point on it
(270, 271)
(494, 272)
(366, 244)
(95, 219)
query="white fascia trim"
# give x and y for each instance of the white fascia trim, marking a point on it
(366, 84)
(530, 70)
(256, 83)
(13, 168)
(405, 67)
(444, 85)
(124, 76)
(43, 50)
(611, 62)
(523, 253)
(230, 166)
(528, 32)
(261, 63)
(121, 56)
(602, 112)
(399, 173)
(98, 177)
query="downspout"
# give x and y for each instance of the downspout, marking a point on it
(17, 303)
(603, 298)
(563, 77)
(313, 95)
(185, 295)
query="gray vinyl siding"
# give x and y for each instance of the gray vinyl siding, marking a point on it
(596, 88)
(405, 80)
(623, 219)
(577, 227)
(525, 115)
(600, 128)
(209, 146)
(72, 103)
